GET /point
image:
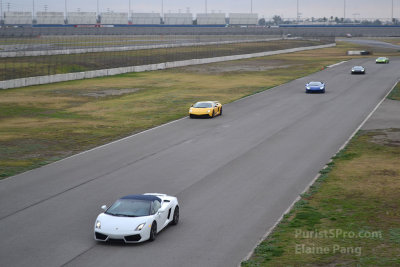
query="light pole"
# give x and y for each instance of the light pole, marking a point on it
(251, 6)
(344, 10)
(33, 9)
(355, 16)
(392, 11)
(98, 14)
(1, 10)
(162, 8)
(129, 11)
(206, 5)
(297, 14)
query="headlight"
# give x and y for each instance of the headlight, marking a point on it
(321, 87)
(209, 111)
(308, 87)
(140, 227)
(98, 225)
(190, 110)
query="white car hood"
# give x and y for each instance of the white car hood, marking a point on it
(121, 225)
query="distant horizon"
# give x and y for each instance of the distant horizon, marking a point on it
(369, 9)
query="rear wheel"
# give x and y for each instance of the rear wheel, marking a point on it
(212, 115)
(175, 219)
(220, 112)
(153, 232)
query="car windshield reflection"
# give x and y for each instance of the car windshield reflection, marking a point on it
(130, 208)
(202, 105)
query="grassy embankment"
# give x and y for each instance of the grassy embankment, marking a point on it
(395, 94)
(350, 216)
(41, 124)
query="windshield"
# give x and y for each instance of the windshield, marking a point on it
(202, 105)
(130, 208)
(358, 68)
(314, 84)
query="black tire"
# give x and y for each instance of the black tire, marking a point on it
(175, 219)
(212, 115)
(153, 232)
(220, 112)
(191, 116)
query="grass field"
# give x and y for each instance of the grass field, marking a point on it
(350, 216)
(41, 124)
(395, 94)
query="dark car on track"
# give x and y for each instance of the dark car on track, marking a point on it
(315, 87)
(358, 70)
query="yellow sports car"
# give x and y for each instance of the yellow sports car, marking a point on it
(205, 109)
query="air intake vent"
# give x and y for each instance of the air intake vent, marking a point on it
(132, 238)
(100, 236)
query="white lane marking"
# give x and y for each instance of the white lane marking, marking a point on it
(337, 64)
(248, 256)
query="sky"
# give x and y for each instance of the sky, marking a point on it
(264, 8)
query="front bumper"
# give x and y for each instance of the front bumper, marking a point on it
(134, 237)
(207, 115)
(315, 90)
(358, 72)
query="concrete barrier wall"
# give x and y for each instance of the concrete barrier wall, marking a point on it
(160, 66)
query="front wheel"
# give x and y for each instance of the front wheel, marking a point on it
(175, 219)
(220, 112)
(153, 232)
(212, 115)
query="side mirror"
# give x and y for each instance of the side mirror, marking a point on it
(163, 209)
(104, 207)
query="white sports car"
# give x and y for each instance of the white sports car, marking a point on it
(136, 218)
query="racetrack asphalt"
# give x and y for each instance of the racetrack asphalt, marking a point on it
(234, 176)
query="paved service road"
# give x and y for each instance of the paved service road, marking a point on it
(368, 42)
(234, 176)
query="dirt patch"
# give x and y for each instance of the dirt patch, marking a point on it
(250, 65)
(385, 172)
(388, 137)
(111, 92)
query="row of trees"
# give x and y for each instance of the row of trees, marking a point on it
(277, 20)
